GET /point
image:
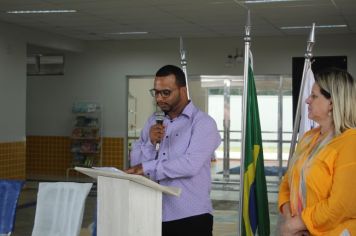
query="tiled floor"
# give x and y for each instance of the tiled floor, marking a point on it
(225, 196)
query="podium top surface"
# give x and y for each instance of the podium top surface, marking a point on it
(94, 173)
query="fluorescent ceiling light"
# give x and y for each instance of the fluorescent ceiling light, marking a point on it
(40, 11)
(308, 27)
(268, 1)
(217, 2)
(130, 32)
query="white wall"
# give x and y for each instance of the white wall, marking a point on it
(13, 81)
(98, 73)
(12, 85)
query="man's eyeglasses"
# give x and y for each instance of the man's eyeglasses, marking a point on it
(165, 93)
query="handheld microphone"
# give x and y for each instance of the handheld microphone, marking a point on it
(159, 120)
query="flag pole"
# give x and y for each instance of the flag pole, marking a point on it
(247, 40)
(308, 55)
(183, 63)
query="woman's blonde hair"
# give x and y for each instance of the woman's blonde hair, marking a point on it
(339, 86)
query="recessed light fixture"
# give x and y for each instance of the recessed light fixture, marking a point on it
(308, 27)
(40, 11)
(130, 32)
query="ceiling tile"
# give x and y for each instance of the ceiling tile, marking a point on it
(173, 18)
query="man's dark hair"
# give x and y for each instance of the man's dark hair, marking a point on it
(173, 70)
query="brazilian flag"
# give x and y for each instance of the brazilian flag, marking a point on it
(255, 202)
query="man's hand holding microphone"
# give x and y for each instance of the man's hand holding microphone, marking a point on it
(157, 132)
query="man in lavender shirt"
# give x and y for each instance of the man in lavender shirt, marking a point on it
(187, 140)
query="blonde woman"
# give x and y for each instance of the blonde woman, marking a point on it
(317, 195)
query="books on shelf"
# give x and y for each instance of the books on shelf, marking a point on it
(86, 134)
(85, 107)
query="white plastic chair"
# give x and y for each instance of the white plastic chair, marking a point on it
(60, 208)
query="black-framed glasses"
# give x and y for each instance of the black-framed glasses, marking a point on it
(165, 93)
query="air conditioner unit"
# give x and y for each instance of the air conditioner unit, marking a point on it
(40, 64)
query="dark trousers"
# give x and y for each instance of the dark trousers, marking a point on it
(200, 225)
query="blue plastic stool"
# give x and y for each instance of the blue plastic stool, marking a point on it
(9, 195)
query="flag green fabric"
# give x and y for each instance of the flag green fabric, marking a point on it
(255, 202)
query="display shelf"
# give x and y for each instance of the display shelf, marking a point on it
(86, 138)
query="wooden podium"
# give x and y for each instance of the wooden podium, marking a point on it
(128, 205)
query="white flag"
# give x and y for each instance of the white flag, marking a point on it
(305, 123)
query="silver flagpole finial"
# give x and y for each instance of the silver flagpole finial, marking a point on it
(248, 24)
(183, 63)
(182, 52)
(310, 42)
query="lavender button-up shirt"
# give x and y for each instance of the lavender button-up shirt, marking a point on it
(183, 161)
